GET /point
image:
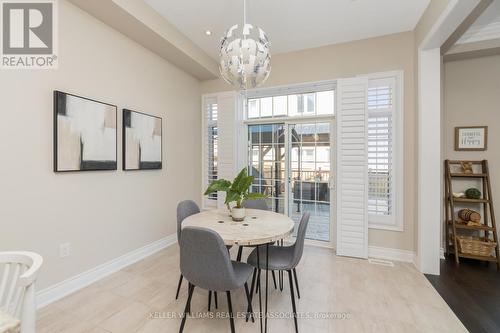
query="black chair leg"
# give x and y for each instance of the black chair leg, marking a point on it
(215, 299)
(230, 306)
(296, 282)
(258, 281)
(274, 280)
(209, 299)
(240, 253)
(281, 272)
(251, 289)
(293, 301)
(187, 308)
(178, 288)
(249, 300)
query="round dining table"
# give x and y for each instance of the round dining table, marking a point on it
(259, 228)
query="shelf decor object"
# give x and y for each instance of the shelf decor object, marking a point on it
(245, 61)
(84, 134)
(474, 246)
(467, 168)
(469, 215)
(483, 245)
(142, 141)
(473, 193)
(474, 138)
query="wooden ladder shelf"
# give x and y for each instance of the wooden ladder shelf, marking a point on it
(487, 230)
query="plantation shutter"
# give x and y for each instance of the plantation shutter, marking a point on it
(227, 143)
(211, 142)
(381, 173)
(352, 175)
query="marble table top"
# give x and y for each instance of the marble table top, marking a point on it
(259, 226)
(9, 324)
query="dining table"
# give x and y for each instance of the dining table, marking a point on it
(259, 228)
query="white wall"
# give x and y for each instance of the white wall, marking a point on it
(102, 214)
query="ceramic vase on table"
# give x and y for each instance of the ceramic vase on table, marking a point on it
(238, 214)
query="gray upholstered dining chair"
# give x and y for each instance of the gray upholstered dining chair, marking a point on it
(252, 204)
(260, 204)
(205, 263)
(256, 204)
(283, 258)
(185, 209)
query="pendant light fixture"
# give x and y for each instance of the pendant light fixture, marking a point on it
(245, 61)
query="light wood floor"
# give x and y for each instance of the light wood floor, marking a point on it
(375, 298)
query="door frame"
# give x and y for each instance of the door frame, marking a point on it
(430, 189)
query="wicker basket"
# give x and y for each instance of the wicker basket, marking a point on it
(475, 246)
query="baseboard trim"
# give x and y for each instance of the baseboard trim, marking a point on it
(391, 254)
(55, 292)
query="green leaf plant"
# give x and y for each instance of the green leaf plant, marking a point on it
(237, 191)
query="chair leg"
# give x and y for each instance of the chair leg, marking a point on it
(293, 301)
(178, 288)
(230, 306)
(251, 289)
(209, 299)
(258, 281)
(215, 299)
(249, 300)
(240, 253)
(253, 281)
(187, 308)
(280, 273)
(296, 282)
(274, 280)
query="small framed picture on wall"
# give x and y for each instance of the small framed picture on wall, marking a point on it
(472, 138)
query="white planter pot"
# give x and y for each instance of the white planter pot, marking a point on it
(238, 214)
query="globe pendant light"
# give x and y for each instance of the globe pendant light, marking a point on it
(245, 62)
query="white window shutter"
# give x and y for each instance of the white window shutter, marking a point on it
(210, 142)
(227, 146)
(352, 175)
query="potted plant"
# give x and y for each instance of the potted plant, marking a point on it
(237, 192)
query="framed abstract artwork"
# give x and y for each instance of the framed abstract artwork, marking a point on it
(142, 141)
(473, 138)
(85, 134)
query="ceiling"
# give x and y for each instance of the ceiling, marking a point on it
(486, 27)
(291, 24)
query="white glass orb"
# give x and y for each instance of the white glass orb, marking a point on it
(245, 61)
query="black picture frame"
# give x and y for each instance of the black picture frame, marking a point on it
(126, 123)
(59, 102)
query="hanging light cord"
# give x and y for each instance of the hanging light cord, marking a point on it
(244, 13)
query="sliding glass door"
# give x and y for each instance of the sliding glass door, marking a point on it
(291, 164)
(309, 173)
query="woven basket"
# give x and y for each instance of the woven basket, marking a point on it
(475, 246)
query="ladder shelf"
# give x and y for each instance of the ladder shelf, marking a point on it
(487, 231)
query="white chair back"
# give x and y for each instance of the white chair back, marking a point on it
(18, 273)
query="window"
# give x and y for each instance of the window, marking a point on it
(292, 105)
(383, 159)
(211, 146)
